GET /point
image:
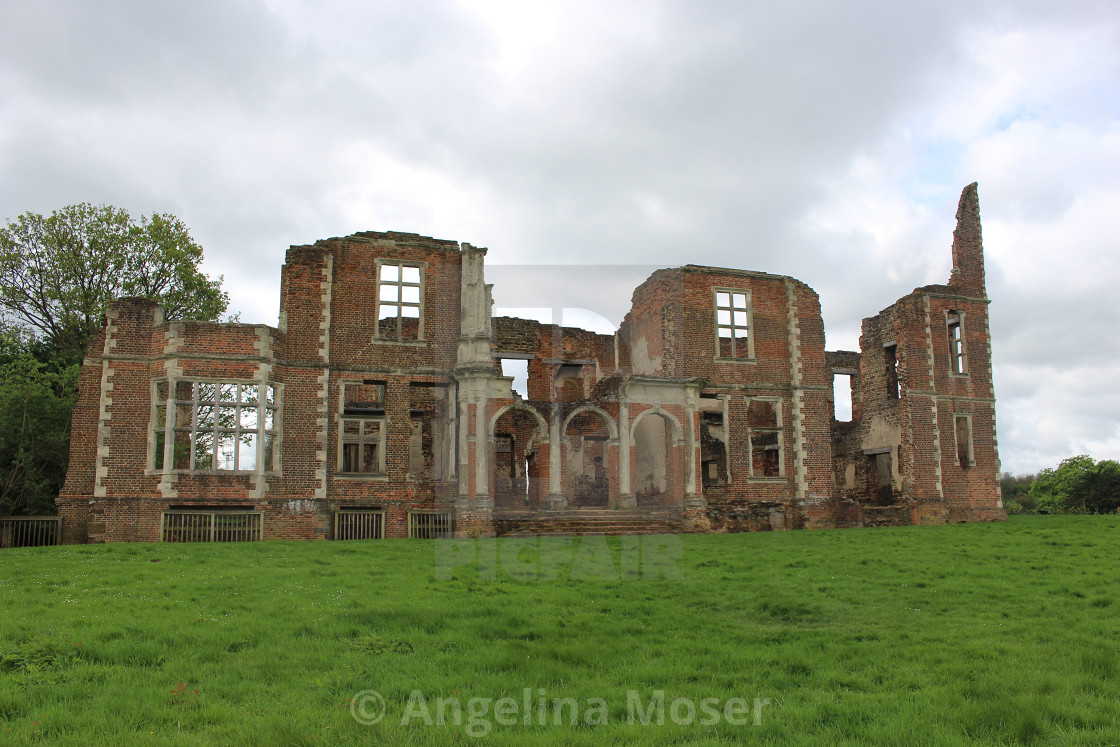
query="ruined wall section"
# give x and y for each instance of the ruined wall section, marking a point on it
(115, 439)
(783, 371)
(550, 346)
(927, 400)
(304, 348)
(653, 324)
(812, 414)
(363, 348)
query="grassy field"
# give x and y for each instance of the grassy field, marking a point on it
(969, 634)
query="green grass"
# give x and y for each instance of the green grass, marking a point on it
(968, 634)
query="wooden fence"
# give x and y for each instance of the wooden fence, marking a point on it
(30, 531)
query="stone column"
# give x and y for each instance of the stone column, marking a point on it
(482, 497)
(625, 496)
(692, 448)
(556, 499)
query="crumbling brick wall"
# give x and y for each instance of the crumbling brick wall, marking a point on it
(713, 399)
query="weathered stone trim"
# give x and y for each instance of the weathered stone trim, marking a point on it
(797, 397)
(323, 405)
(101, 473)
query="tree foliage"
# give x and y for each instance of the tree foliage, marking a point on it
(1079, 485)
(59, 272)
(1015, 490)
(38, 389)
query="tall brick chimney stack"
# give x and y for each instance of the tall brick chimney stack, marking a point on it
(968, 247)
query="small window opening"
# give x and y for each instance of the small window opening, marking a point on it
(519, 370)
(891, 354)
(956, 343)
(713, 449)
(842, 396)
(964, 441)
(367, 397)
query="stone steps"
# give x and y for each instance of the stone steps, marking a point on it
(580, 524)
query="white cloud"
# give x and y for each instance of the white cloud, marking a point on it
(826, 141)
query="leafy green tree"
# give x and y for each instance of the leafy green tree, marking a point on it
(1079, 485)
(1016, 493)
(36, 397)
(59, 272)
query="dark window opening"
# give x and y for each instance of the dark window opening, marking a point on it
(964, 441)
(765, 438)
(427, 453)
(713, 449)
(881, 478)
(363, 447)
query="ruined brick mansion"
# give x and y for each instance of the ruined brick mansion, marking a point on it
(378, 408)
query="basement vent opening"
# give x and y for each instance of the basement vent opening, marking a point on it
(359, 524)
(211, 526)
(431, 525)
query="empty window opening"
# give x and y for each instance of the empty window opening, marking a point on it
(733, 324)
(427, 452)
(363, 446)
(713, 449)
(399, 301)
(765, 436)
(519, 369)
(569, 382)
(842, 396)
(964, 440)
(957, 362)
(365, 397)
(890, 353)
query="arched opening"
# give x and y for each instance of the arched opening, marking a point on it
(587, 467)
(515, 460)
(655, 474)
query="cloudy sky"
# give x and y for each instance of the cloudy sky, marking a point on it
(820, 139)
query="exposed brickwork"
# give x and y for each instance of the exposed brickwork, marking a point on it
(666, 422)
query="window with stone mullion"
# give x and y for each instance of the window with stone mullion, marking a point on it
(399, 303)
(216, 426)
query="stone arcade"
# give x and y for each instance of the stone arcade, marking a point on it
(378, 408)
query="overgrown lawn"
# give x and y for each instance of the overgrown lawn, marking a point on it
(968, 634)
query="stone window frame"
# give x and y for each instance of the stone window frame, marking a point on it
(360, 439)
(262, 429)
(779, 429)
(400, 304)
(954, 334)
(967, 417)
(731, 323)
(363, 420)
